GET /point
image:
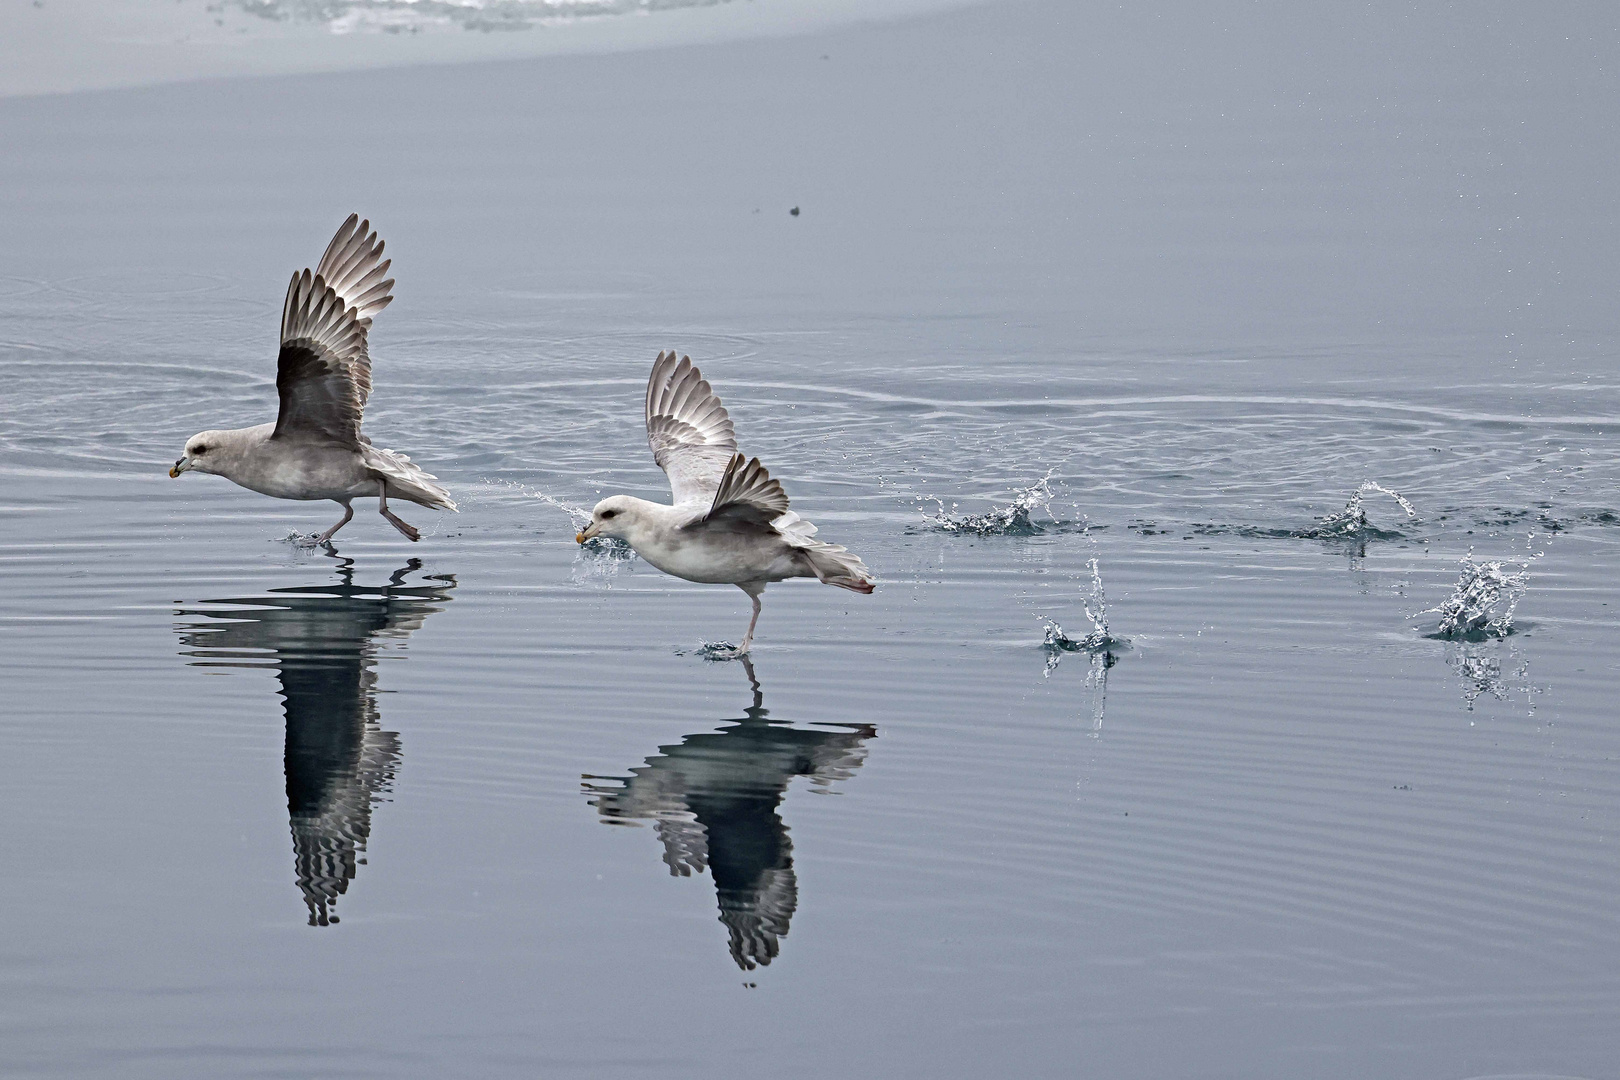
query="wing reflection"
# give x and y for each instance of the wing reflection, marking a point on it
(323, 641)
(713, 801)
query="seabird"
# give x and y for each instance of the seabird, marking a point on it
(730, 523)
(315, 449)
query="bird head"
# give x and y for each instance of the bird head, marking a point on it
(197, 453)
(611, 517)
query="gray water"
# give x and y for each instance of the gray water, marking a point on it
(480, 806)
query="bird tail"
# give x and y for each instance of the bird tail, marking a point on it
(832, 564)
(861, 585)
(406, 479)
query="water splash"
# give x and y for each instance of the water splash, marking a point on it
(1095, 606)
(1099, 645)
(577, 514)
(1352, 523)
(1056, 643)
(1096, 681)
(307, 541)
(599, 559)
(715, 651)
(1097, 641)
(1484, 599)
(1100, 659)
(1013, 519)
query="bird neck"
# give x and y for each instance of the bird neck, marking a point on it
(646, 526)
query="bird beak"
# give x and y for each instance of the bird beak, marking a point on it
(587, 533)
(180, 466)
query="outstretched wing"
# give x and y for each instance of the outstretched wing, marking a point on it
(354, 268)
(324, 371)
(747, 492)
(688, 429)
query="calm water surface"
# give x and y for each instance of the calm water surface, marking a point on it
(479, 806)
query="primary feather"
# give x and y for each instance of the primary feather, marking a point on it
(688, 429)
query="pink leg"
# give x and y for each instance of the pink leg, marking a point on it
(408, 531)
(748, 638)
(326, 537)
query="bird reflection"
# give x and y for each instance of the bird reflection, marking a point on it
(323, 641)
(713, 801)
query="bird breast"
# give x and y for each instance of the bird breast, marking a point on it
(308, 472)
(717, 558)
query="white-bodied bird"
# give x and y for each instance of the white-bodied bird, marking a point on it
(730, 523)
(315, 449)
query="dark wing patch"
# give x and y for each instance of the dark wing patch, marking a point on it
(319, 398)
(323, 374)
(747, 490)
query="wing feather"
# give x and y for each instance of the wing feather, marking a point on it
(354, 268)
(747, 490)
(688, 429)
(323, 373)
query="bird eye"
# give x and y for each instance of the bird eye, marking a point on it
(608, 513)
(200, 450)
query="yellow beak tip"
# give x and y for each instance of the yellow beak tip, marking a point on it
(579, 538)
(173, 473)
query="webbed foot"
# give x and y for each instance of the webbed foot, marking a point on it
(406, 529)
